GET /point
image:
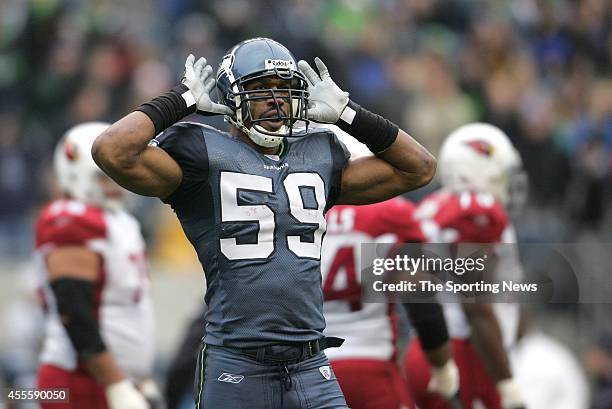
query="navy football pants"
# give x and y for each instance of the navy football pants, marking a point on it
(227, 379)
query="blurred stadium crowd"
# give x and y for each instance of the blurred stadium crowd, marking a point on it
(540, 70)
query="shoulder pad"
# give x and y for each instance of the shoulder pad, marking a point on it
(177, 131)
(399, 216)
(474, 217)
(68, 222)
(391, 217)
(205, 127)
(317, 131)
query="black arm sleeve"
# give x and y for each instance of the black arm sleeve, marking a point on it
(75, 305)
(428, 319)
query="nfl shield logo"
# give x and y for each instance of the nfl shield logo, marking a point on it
(326, 372)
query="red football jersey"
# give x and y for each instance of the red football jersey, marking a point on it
(369, 329)
(471, 217)
(466, 217)
(67, 222)
(123, 302)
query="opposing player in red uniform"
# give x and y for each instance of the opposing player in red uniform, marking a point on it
(479, 169)
(99, 318)
(366, 366)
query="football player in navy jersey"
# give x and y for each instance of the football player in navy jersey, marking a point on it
(252, 203)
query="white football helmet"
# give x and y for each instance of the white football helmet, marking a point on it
(76, 172)
(480, 157)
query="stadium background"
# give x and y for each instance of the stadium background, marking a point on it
(540, 70)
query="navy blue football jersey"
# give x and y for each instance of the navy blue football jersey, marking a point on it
(256, 222)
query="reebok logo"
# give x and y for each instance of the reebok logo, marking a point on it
(271, 64)
(228, 377)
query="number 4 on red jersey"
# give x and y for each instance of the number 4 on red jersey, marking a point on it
(350, 226)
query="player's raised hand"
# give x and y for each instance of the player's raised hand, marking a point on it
(200, 80)
(327, 100)
(124, 395)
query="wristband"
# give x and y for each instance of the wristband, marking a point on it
(376, 132)
(169, 108)
(428, 319)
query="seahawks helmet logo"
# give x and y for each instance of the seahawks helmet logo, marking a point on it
(228, 62)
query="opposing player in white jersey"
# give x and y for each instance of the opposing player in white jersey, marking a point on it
(99, 318)
(479, 170)
(366, 366)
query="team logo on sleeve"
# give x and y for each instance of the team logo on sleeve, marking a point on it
(230, 378)
(326, 372)
(481, 146)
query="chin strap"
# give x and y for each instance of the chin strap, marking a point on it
(282, 149)
(259, 137)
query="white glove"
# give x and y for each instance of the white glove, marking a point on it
(444, 380)
(124, 395)
(200, 80)
(152, 394)
(327, 100)
(510, 393)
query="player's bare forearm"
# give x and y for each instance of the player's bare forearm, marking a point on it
(487, 338)
(123, 153)
(402, 163)
(404, 166)
(416, 166)
(104, 369)
(124, 141)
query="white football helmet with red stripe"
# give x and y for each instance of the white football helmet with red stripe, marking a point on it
(76, 172)
(480, 157)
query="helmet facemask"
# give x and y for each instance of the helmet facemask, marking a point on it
(294, 109)
(273, 65)
(518, 189)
